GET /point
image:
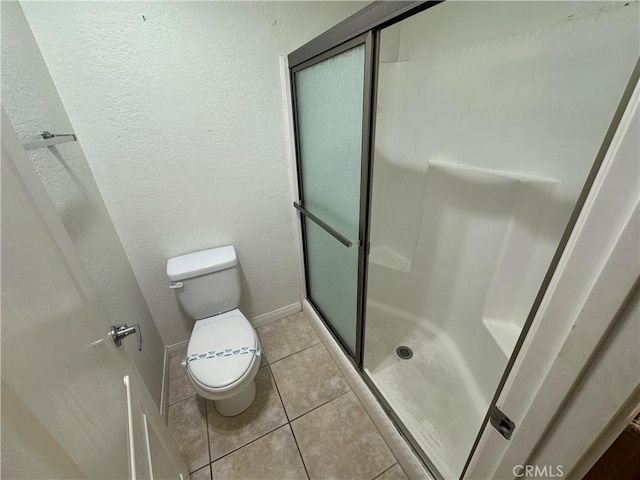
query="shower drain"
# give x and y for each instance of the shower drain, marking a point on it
(404, 352)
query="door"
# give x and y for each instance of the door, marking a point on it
(330, 111)
(72, 407)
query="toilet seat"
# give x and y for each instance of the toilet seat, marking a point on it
(224, 342)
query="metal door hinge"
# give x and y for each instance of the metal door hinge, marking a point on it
(501, 422)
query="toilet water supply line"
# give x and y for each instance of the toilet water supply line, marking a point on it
(220, 353)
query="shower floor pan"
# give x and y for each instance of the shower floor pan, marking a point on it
(433, 393)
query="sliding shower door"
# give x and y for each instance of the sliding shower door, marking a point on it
(489, 119)
(329, 93)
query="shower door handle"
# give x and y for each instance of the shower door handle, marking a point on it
(326, 227)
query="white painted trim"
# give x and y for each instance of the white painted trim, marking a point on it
(287, 108)
(593, 278)
(406, 457)
(164, 394)
(269, 317)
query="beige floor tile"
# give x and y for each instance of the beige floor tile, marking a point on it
(188, 426)
(308, 379)
(394, 473)
(274, 456)
(179, 385)
(339, 440)
(203, 474)
(286, 336)
(264, 415)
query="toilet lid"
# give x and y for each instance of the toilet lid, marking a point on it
(231, 333)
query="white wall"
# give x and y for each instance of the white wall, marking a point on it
(179, 109)
(32, 104)
(518, 94)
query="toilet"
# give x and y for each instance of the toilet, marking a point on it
(223, 355)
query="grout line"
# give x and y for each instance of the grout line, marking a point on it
(288, 422)
(249, 443)
(279, 396)
(182, 400)
(208, 465)
(211, 461)
(321, 405)
(264, 434)
(317, 406)
(291, 354)
(387, 469)
(295, 440)
(206, 419)
(299, 451)
(288, 419)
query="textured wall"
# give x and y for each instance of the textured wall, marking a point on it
(32, 103)
(179, 109)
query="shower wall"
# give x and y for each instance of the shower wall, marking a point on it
(488, 122)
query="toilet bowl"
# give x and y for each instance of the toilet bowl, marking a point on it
(222, 360)
(223, 355)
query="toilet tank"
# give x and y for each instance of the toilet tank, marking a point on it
(207, 282)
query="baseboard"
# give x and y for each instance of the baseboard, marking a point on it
(169, 351)
(177, 348)
(403, 452)
(265, 318)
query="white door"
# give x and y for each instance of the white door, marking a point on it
(72, 406)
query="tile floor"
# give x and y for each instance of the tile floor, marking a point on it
(305, 422)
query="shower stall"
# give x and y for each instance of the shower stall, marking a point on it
(444, 150)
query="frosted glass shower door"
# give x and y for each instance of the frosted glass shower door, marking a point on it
(329, 102)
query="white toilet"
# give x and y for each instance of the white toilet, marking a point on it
(223, 355)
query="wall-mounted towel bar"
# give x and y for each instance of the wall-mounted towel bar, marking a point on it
(49, 139)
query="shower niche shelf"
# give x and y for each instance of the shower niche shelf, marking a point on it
(479, 174)
(504, 333)
(518, 224)
(388, 257)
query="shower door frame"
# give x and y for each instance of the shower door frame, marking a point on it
(369, 22)
(365, 39)
(363, 27)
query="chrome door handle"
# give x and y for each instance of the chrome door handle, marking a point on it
(118, 332)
